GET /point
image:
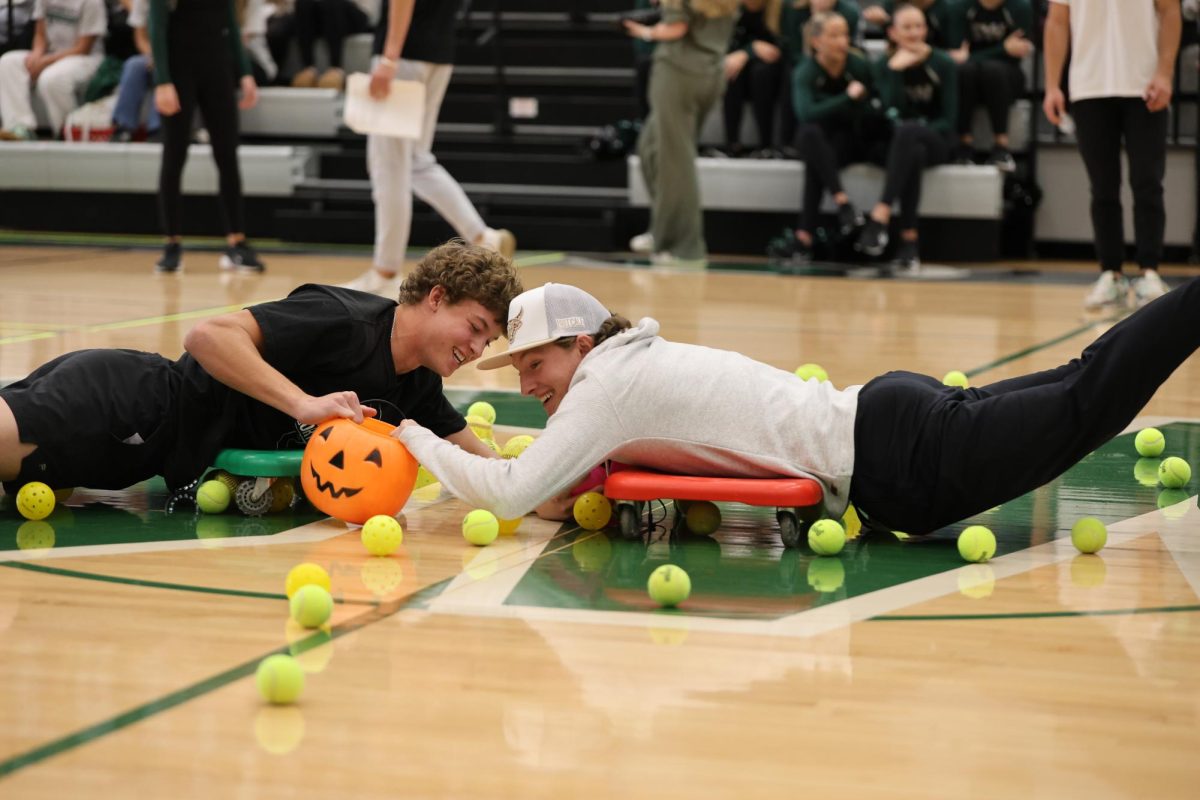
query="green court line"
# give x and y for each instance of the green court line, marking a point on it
(1108, 612)
(1033, 348)
(131, 323)
(176, 587)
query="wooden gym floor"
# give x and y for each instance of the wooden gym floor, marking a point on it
(537, 667)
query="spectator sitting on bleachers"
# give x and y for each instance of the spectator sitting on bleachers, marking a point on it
(838, 126)
(331, 20)
(918, 85)
(253, 16)
(68, 45)
(753, 71)
(793, 23)
(16, 25)
(997, 34)
(137, 78)
(939, 29)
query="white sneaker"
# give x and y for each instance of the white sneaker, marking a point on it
(1148, 287)
(500, 240)
(1111, 290)
(375, 282)
(642, 243)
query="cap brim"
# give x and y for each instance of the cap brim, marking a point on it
(505, 359)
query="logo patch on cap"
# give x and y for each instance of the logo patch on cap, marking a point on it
(514, 324)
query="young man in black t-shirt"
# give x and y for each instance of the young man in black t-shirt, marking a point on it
(260, 378)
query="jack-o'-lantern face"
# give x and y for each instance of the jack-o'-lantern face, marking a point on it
(354, 471)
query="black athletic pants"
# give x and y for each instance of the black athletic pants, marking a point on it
(332, 19)
(826, 147)
(914, 148)
(758, 82)
(994, 84)
(1100, 126)
(927, 455)
(203, 80)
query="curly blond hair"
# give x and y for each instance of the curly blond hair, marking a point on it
(466, 272)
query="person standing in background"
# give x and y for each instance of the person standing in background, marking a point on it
(415, 42)
(1122, 63)
(687, 80)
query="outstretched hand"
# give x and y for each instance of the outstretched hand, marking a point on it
(337, 404)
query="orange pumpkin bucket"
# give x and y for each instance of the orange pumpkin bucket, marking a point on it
(353, 471)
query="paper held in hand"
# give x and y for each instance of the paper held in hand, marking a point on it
(399, 114)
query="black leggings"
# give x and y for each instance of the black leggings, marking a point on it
(1100, 125)
(993, 84)
(914, 148)
(334, 19)
(827, 147)
(203, 80)
(928, 455)
(758, 82)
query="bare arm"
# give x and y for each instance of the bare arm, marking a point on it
(662, 32)
(1158, 92)
(399, 18)
(229, 347)
(1055, 39)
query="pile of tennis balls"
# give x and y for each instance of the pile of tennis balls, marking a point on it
(279, 677)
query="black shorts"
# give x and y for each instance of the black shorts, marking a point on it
(102, 419)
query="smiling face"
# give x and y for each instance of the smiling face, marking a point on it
(546, 371)
(908, 27)
(456, 333)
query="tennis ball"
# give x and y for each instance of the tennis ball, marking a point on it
(826, 575)
(35, 500)
(806, 371)
(509, 526)
(516, 445)
(480, 527)
(231, 481)
(480, 427)
(1173, 473)
(826, 537)
(213, 497)
(282, 494)
(485, 411)
(976, 543)
(703, 518)
(1149, 442)
(956, 378)
(280, 679)
(381, 535)
(1089, 535)
(303, 575)
(592, 511)
(669, 585)
(311, 606)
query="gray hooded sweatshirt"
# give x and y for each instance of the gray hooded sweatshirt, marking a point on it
(681, 408)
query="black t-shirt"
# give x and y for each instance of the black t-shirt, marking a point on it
(430, 34)
(323, 339)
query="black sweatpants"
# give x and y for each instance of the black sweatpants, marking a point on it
(333, 20)
(994, 84)
(928, 455)
(203, 80)
(913, 149)
(826, 147)
(758, 82)
(1101, 124)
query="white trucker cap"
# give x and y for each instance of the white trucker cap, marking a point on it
(547, 313)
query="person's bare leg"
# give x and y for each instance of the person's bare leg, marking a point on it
(12, 449)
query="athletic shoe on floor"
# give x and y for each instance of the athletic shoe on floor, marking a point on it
(642, 243)
(1148, 287)
(242, 258)
(1111, 290)
(874, 238)
(500, 240)
(171, 259)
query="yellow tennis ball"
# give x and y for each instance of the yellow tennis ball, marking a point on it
(806, 371)
(669, 585)
(592, 511)
(976, 543)
(480, 527)
(280, 679)
(702, 518)
(509, 526)
(213, 497)
(1089, 535)
(1149, 442)
(956, 378)
(483, 410)
(480, 427)
(1173, 473)
(382, 535)
(35, 500)
(516, 445)
(826, 537)
(303, 575)
(311, 606)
